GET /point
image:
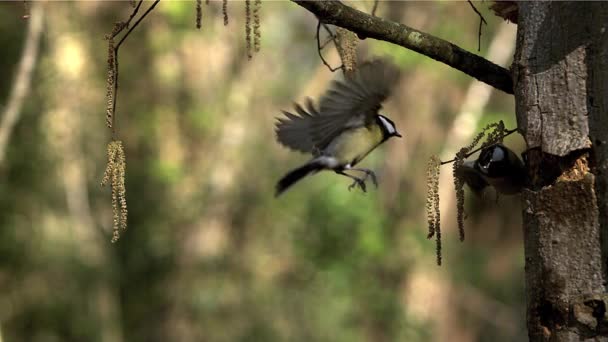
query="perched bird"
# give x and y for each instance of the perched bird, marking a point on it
(496, 166)
(345, 128)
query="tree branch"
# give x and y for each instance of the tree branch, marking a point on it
(364, 25)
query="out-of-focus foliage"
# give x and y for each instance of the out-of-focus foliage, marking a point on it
(209, 253)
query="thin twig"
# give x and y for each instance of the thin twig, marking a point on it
(126, 24)
(331, 35)
(329, 40)
(319, 47)
(375, 8)
(21, 85)
(479, 37)
(507, 133)
(116, 47)
(137, 22)
(481, 20)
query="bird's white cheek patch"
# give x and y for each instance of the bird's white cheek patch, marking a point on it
(389, 128)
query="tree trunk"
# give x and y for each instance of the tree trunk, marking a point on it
(561, 84)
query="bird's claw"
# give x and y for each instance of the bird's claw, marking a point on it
(374, 179)
(360, 183)
(372, 175)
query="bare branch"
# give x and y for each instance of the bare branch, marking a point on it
(117, 46)
(126, 24)
(137, 22)
(321, 46)
(482, 20)
(335, 13)
(23, 79)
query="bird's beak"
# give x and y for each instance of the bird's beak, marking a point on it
(398, 135)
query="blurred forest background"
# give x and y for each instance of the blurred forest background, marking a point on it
(210, 254)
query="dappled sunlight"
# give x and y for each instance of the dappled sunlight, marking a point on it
(69, 56)
(209, 253)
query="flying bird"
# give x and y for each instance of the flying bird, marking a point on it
(345, 127)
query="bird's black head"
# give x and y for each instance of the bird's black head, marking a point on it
(502, 169)
(496, 161)
(388, 127)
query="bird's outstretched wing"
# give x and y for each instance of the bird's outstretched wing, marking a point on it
(347, 104)
(362, 94)
(293, 130)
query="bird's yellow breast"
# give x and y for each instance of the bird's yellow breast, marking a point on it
(353, 145)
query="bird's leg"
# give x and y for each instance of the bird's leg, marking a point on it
(368, 173)
(356, 181)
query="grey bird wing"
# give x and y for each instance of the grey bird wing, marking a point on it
(348, 104)
(362, 94)
(293, 130)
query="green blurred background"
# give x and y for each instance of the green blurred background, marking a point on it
(210, 254)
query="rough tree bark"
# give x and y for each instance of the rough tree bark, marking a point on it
(561, 74)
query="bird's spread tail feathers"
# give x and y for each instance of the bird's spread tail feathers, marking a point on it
(293, 176)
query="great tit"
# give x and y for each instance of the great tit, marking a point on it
(497, 166)
(345, 128)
